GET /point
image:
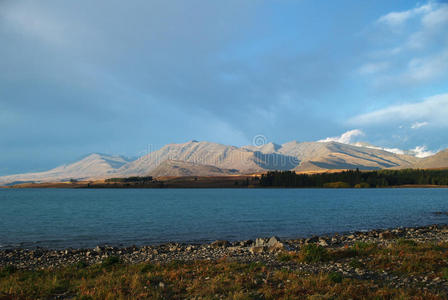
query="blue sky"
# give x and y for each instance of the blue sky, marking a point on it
(116, 76)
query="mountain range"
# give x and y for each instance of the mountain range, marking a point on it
(211, 159)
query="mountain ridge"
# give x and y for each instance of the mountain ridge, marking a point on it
(434, 161)
(201, 158)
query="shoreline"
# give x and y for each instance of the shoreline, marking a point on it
(261, 249)
(400, 263)
(168, 187)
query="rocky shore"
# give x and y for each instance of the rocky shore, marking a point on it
(269, 251)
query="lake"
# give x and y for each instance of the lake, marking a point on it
(59, 218)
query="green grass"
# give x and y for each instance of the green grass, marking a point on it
(335, 277)
(110, 261)
(406, 243)
(313, 253)
(445, 273)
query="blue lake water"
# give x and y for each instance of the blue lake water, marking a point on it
(57, 218)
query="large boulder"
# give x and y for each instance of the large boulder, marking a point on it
(272, 244)
(275, 245)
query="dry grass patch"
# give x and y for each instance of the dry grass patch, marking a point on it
(225, 279)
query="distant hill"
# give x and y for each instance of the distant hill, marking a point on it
(439, 160)
(211, 159)
(92, 166)
(182, 168)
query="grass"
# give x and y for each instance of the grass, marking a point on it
(445, 273)
(208, 280)
(110, 261)
(8, 270)
(335, 277)
(113, 279)
(313, 253)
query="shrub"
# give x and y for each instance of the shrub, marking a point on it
(59, 286)
(148, 268)
(335, 277)
(362, 248)
(110, 261)
(362, 185)
(405, 242)
(437, 247)
(8, 270)
(284, 257)
(255, 266)
(81, 264)
(445, 273)
(337, 185)
(314, 253)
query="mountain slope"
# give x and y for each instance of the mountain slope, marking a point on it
(438, 160)
(266, 148)
(182, 168)
(206, 153)
(315, 156)
(333, 155)
(93, 166)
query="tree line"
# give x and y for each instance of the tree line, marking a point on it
(356, 178)
(131, 179)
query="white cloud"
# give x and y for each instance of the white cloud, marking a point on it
(345, 138)
(392, 150)
(432, 28)
(418, 70)
(399, 18)
(418, 53)
(418, 151)
(434, 109)
(417, 125)
(421, 151)
(436, 18)
(423, 69)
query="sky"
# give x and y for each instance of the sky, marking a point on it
(121, 77)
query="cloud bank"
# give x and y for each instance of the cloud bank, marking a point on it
(345, 138)
(351, 136)
(434, 108)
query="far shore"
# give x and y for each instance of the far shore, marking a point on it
(404, 178)
(235, 182)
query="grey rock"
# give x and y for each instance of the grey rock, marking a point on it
(220, 244)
